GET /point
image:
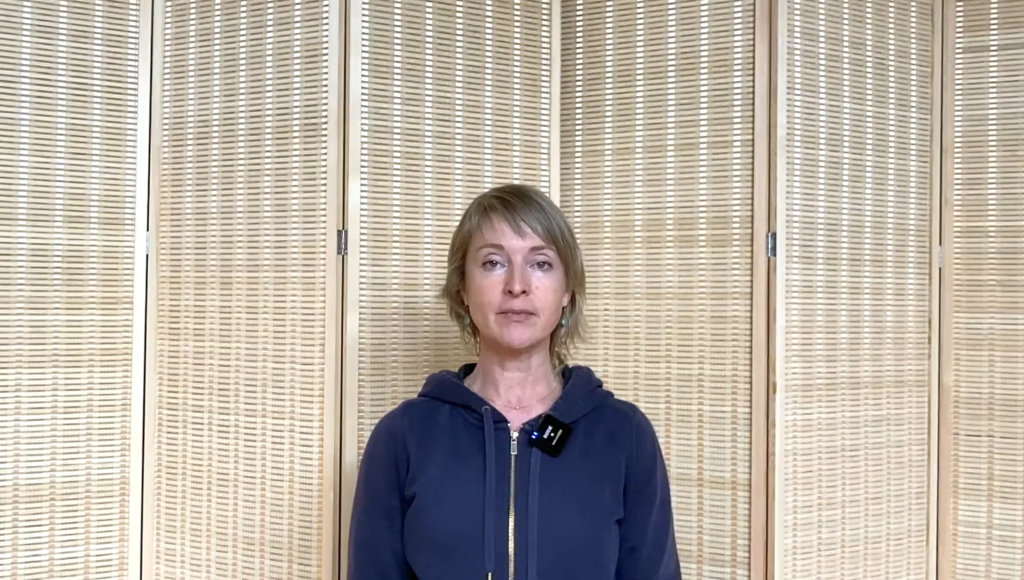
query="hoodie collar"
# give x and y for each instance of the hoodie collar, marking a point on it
(582, 392)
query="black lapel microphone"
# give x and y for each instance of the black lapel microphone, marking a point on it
(551, 435)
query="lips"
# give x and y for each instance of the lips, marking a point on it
(516, 315)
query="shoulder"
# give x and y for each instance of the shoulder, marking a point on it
(627, 413)
(402, 417)
(623, 413)
(633, 430)
(627, 410)
(414, 420)
(642, 451)
(392, 441)
(620, 428)
(609, 410)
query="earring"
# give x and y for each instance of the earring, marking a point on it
(469, 321)
(564, 321)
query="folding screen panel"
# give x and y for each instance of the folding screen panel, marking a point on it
(657, 123)
(454, 98)
(71, 276)
(854, 189)
(982, 489)
(237, 405)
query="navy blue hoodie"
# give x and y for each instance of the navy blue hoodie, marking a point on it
(433, 494)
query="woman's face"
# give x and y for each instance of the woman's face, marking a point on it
(515, 289)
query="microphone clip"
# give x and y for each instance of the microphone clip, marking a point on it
(551, 435)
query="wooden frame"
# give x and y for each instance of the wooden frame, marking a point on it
(349, 347)
(153, 210)
(935, 392)
(140, 327)
(760, 294)
(334, 290)
(776, 308)
(942, 284)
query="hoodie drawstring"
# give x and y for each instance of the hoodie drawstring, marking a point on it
(532, 515)
(488, 492)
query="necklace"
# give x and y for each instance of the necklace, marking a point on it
(528, 405)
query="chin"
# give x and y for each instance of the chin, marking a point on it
(519, 343)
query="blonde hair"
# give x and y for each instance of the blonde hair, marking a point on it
(522, 208)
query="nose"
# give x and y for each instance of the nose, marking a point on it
(516, 281)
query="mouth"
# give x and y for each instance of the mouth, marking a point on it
(516, 314)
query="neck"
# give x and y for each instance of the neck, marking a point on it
(513, 380)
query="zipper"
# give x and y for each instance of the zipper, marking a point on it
(513, 452)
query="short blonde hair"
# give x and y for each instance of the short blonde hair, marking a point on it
(522, 208)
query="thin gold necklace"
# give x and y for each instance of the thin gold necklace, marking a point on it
(528, 405)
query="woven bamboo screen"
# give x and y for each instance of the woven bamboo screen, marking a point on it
(854, 205)
(983, 371)
(238, 385)
(68, 121)
(656, 177)
(455, 99)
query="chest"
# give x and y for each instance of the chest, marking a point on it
(563, 513)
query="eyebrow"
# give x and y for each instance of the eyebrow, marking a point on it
(499, 247)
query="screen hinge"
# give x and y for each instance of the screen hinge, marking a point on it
(342, 242)
(771, 245)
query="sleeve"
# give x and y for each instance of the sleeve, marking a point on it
(647, 544)
(376, 545)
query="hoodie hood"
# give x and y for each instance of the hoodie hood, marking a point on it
(582, 391)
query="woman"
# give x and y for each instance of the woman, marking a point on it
(517, 466)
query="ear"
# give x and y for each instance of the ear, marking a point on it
(566, 298)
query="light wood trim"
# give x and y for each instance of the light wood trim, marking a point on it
(350, 286)
(944, 540)
(136, 501)
(776, 307)
(151, 403)
(555, 111)
(759, 386)
(333, 291)
(934, 287)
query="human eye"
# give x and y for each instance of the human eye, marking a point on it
(544, 264)
(491, 264)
